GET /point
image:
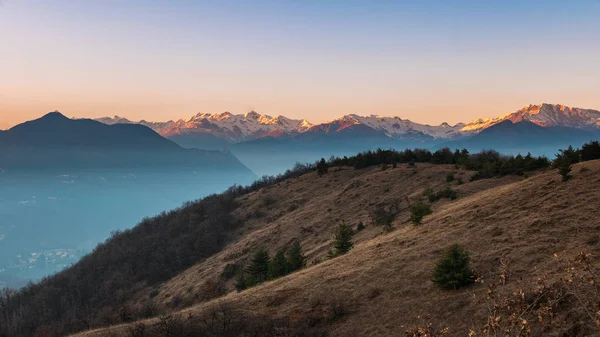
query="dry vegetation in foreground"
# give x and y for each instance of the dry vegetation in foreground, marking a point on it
(512, 228)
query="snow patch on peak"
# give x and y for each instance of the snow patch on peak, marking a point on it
(114, 120)
(254, 115)
(222, 116)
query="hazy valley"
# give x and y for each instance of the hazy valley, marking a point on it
(66, 185)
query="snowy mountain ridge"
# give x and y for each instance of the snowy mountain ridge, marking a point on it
(252, 125)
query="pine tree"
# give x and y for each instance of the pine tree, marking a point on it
(564, 168)
(360, 226)
(453, 271)
(278, 266)
(418, 211)
(258, 270)
(322, 167)
(241, 283)
(296, 258)
(343, 240)
(590, 151)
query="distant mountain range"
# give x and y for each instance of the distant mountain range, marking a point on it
(544, 115)
(225, 126)
(57, 142)
(218, 130)
(270, 144)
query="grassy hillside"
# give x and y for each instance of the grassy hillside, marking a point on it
(512, 227)
(182, 267)
(309, 208)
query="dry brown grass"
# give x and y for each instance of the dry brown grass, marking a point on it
(384, 284)
(309, 208)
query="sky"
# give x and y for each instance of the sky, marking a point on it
(424, 60)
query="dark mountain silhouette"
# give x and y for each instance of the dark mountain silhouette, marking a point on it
(55, 141)
(54, 130)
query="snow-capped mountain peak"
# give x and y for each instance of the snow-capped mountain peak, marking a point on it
(114, 120)
(225, 125)
(396, 127)
(255, 115)
(546, 115)
(253, 125)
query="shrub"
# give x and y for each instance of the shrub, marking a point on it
(449, 177)
(452, 270)
(447, 192)
(564, 168)
(430, 194)
(569, 155)
(138, 330)
(418, 210)
(296, 259)
(258, 270)
(241, 283)
(360, 226)
(385, 216)
(278, 266)
(322, 167)
(170, 326)
(343, 240)
(230, 270)
(590, 151)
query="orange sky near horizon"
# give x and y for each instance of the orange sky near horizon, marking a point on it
(442, 113)
(429, 61)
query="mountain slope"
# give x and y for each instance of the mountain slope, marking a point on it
(55, 141)
(383, 286)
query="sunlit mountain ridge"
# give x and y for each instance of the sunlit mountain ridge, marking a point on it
(235, 128)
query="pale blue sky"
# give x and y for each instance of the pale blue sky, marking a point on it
(429, 61)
